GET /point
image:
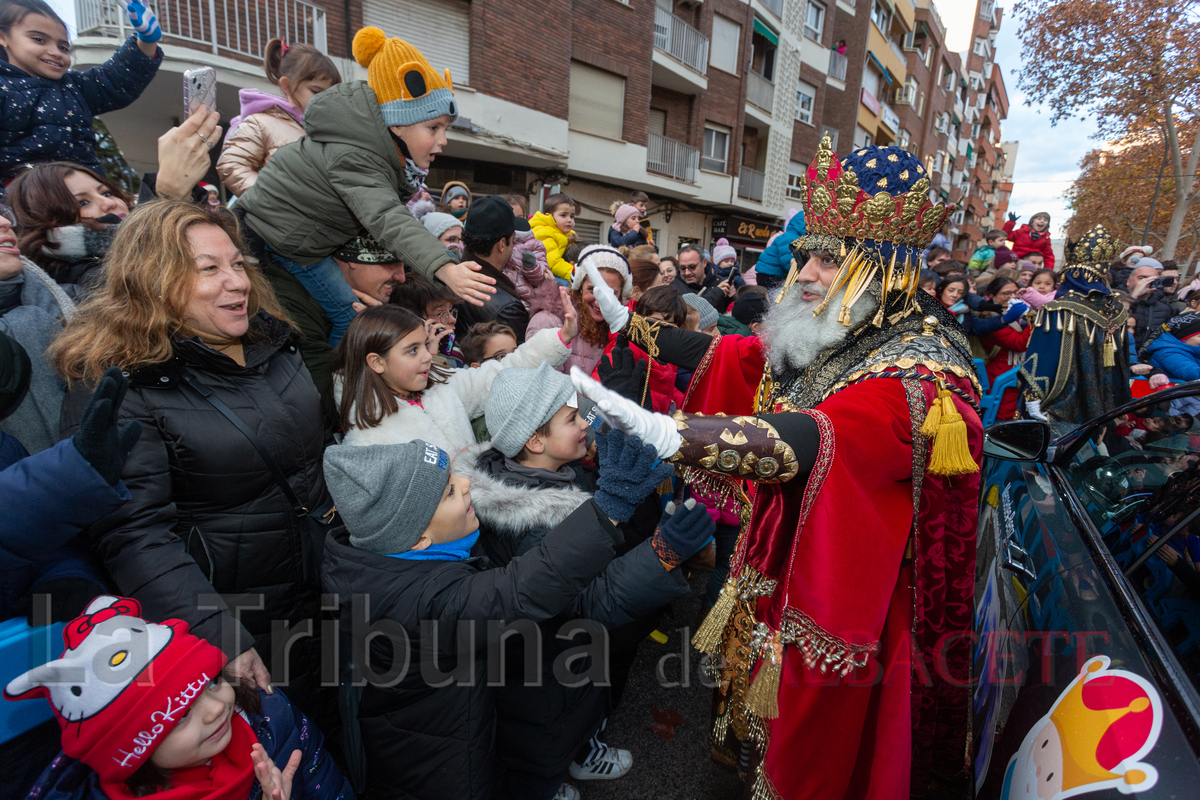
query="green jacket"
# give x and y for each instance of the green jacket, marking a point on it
(344, 177)
(315, 327)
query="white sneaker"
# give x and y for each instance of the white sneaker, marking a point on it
(604, 764)
(567, 792)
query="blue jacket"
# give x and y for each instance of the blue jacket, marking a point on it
(630, 239)
(1175, 358)
(47, 120)
(776, 260)
(280, 728)
(48, 499)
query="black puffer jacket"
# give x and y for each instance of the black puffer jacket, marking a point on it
(1150, 310)
(541, 728)
(206, 513)
(503, 307)
(427, 743)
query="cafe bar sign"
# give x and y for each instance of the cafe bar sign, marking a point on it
(741, 228)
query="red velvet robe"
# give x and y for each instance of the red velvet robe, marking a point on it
(837, 545)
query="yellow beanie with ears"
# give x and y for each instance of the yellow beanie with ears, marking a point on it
(407, 87)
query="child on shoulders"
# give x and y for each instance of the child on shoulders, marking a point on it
(555, 228)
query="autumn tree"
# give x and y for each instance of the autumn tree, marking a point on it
(1132, 66)
(1116, 188)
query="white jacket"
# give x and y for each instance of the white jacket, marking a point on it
(446, 410)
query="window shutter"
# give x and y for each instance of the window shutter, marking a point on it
(588, 231)
(597, 101)
(440, 29)
(726, 38)
(657, 122)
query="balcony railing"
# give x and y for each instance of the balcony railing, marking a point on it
(671, 158)
(897, 49)
(905, 95)
(776, 7)
(751, 183)
(837, 65)
(241, 27)
(679, 40)
(760, 92)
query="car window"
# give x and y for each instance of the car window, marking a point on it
(1138, 477)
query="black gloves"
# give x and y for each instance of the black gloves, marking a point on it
(682, 532)
(626, 375)
(1012, 216)
(629, 470)
(101, 443)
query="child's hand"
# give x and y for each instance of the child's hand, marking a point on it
(1012, 216)
(183, 154)
(276, 785)
(463, 279)
(570, 326)
(435, 332)
(144, 22)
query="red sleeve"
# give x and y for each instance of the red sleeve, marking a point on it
(1009, 339)
(1047, 251)
(1008, 227)
(728, 377)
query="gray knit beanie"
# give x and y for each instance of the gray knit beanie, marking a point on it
(521, 401)
(438, 223)
(708, 314)
(386, 493)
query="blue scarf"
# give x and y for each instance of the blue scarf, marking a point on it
(458, 550)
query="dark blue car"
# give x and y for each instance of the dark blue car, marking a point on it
(1087, 659)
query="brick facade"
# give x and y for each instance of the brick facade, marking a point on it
(516, 60)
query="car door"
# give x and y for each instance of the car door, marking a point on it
(1082, 672)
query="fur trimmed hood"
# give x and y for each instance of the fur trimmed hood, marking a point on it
(513, 510)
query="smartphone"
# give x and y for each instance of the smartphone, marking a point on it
(736, 272)
(199, 89)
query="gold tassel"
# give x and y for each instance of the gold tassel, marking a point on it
(951, 453)
(792, 276)
(708, 635)
(933, 418)
(763, 697)
(1110, 352)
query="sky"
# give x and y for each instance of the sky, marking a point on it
(1048, 157)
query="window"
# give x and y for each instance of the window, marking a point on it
(597, 101)
(440, 29)
(715, 155)
(975, 131)
(806, 98)
(880, 16)
(871, 80)
(657, 122)
(980, 48)
(862, 138)
(814, 20)
(588, 231)
(949, 85)
(929, 56)
(795, 184)
(903, 138)
(726, 44)
(921, 105)
(941, 72)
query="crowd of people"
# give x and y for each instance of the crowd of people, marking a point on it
(443, 411)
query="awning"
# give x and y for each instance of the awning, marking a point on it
(887, 76)
(766, 32)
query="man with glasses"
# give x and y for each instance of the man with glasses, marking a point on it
(488, 239)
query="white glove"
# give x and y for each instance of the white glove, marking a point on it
(628, 417)
(614, 311)
(1034, 409)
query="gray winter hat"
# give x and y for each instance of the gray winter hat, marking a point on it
(438, 223)
(708, 314)
(523, 400)
(386, 493)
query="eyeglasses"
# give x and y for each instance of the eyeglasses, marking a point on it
(497, 356)
(449, 315)
(8, 214)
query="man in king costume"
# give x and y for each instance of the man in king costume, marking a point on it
(1077, 364)
(841, 636)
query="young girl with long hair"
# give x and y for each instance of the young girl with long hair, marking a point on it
(389, 391)
(268, 121)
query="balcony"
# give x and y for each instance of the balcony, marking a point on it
(671, 158)
(775, 7)
(760, 92)
(750, 184)
(837, 65)
(905, 96)
(235, 28)
(888, 117)
(898, 50)
(679, 40)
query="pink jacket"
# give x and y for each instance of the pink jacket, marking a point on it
(533, 282)
(1033, 298)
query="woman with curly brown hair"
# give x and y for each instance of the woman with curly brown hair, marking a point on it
(187, 316)
(67, 217)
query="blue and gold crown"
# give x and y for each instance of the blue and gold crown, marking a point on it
(1092, 253)
(872, 209)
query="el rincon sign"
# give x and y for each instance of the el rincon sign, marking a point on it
(745, 229)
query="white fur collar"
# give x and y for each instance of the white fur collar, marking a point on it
(514, 510)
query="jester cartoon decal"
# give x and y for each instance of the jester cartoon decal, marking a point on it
(1094, 737)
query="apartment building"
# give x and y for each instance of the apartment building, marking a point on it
(712, 107)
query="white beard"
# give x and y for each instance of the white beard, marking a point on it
(794, 337)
